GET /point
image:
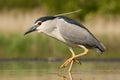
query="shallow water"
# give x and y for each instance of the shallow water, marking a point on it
(86, 71)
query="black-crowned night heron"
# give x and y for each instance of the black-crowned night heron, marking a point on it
(69, 32)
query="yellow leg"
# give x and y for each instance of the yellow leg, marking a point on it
(69, 71)
(73, 58)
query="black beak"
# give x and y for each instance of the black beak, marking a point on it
(31, 29)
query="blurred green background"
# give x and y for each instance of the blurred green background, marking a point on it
(101, 17)
(35, 56)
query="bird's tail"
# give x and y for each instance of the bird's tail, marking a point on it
(101, 48)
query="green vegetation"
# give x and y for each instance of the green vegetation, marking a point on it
(20, 46)
(35, 46)
(40, 46)
(88, 7)
(16, 45)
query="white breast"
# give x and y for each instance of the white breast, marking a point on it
(51, 29)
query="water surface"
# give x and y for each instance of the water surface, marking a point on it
(96, 70)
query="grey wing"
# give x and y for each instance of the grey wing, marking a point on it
(76, 35)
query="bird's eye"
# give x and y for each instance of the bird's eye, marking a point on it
(39, 23)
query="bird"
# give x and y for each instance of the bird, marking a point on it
(70, 32)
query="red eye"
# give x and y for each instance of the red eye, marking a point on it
(39, 23)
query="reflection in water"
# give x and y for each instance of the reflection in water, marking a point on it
(49, 71)
(62, 77)
(70, 67)
(104, 70)
(69, 72)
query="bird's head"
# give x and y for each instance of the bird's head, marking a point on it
(39, 24)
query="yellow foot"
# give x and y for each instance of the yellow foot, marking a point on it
(70, 60)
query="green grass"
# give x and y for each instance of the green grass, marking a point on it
(18, 45)
(53, 6)
(41, 46)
